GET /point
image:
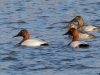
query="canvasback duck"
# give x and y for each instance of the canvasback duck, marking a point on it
(83, 27)
(82, 34)
(29, 42)
(75, 43)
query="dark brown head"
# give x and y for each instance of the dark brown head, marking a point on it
(73, 32)
(24, 33)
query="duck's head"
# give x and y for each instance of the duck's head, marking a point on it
(71, 31)
(76, 19)
(23, 33)
(70, 25)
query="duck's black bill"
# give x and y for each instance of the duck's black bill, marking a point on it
(16, 36)
(65, 33)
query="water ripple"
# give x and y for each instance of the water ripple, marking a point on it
(45, 19)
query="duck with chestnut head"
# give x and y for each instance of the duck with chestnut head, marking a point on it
(75, 43)
(82, 34)
(29, 42)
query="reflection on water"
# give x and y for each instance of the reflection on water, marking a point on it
(45, 19)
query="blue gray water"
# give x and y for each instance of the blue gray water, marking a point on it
(45, 19)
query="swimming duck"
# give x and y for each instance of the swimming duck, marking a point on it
(75, 43)
(83, 27)
(82, 34)
(29, 42)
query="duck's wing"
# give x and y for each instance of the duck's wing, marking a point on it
(34, 42)
(83, 44)
(79, 44)
(89, 28)
(86, 35)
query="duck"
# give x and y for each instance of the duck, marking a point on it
(29, 42)
(82, 34)
(75, 43)
(83, 27)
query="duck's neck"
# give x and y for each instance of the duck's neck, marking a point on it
(75, 36)
(25, 38)
(80, 23)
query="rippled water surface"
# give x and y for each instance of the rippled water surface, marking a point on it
(45, 19)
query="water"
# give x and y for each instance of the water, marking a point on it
(45, 19)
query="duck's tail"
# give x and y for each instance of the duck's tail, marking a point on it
(92, 36)
(97, 28)
(45, 44)
(83, 45)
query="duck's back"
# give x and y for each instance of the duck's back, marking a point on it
(33, 42)
(89, 28)
(85, 35)
(76, 44)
